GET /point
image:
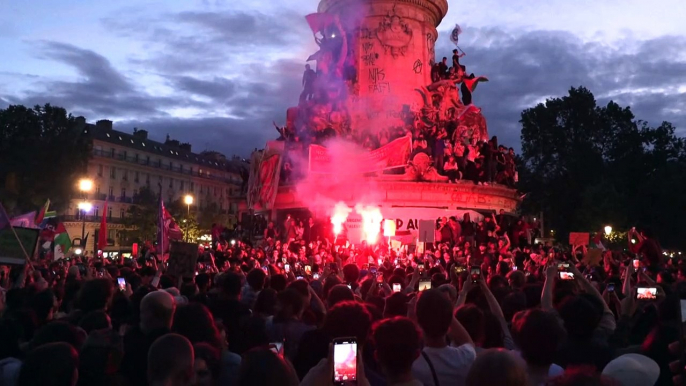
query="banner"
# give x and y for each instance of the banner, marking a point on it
(183, 259)
(579, 238)
(392, 155)
(270, 169)
(11, 252)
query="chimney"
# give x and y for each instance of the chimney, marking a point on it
(140, 134)
(104, 124)
(172, 143)
(185, 147)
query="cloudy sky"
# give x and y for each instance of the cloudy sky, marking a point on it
(216, 73)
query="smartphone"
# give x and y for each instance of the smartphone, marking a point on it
(344, 361)
(637, 263)
(315, 276)
(646, 293)
(458, 269)
(475, 272)
(514, 267)
(562, 266)
(424, 285)
(265, 269)
(610, 287)
(308, 270)
(396, 287)
(373, 270)
(379, 278)
(283, 260)
(122, 284)
(420, 267)
(287, 268)
(566, 275)
(298, 278)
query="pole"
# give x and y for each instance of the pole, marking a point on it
(188, 220)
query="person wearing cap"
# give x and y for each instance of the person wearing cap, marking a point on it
(633, 370)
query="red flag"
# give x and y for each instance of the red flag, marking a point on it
(102, 234)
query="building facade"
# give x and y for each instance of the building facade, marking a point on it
(122, 164)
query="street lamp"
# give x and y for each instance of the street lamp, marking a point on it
(608, 230)
(85, 186)
(188, 200)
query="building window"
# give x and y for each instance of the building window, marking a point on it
(136, 176)
(191, 170)
(123, 193)
(147, 160)
(111, 191)
(123, 155)
(125, 177)
(109, 214)
(159, 162)
(99, 170)
(111, 233)
(215, 191)
(122, 213)
(97, 189)
(171, 182)
(201, 189)
(147, 178)
(192, 187)
(171, 165)
(96, 211)
(113, 172)
(182, 186)
(136, 157)
(112, 152)
(135, 192)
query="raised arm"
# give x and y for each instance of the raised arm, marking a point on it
(547, 294)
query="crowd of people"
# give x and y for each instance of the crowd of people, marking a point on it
(480, 306)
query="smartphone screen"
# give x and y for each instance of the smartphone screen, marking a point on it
(611, 287)
(287, 268)
(424, 285)
(420, 267)
(122, 283)
(646, 293)
(475, 272)
(276, 347)
(637, 263)
(562, 266)
(345, 361)
(308, 270)
(315, 276)
(514, 267)
(566, 275)
(396, 287)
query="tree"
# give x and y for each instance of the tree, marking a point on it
(142, 218)
(43, 152)
(586, 166)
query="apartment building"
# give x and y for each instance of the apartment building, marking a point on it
(123, 163)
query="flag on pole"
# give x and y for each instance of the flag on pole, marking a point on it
(167, 229)
(43, 211)
(62, 239)
(161, 231)
(597, 241)
(6, 223)
(455, 35)
(4, 218)
(102, 233)
(26, 220)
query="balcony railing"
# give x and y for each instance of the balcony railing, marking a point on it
(92, 218)
(159, 165)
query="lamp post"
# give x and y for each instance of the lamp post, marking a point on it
(85, 186)
(188, 200)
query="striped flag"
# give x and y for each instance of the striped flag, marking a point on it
(26, 220)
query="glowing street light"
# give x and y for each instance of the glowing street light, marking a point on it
(188, 200)
(85, 206)
(85, 185)
(608, 230)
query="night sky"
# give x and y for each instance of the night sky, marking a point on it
(216, 73)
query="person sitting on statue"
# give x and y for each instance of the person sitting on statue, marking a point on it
(309, 77)
(443, 68)
(451, 170)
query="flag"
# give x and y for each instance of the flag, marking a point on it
(62, 238)
(5, 222)
(455, 35)
(597, 241)
(43, 211)
(167, 229)
(102, 233)
(26, 220)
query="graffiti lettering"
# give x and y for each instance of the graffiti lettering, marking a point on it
(376, 75)
(370, 59)
(430, 43)
(380, 88)
(366, 34)
(367, 47)
(417, 67)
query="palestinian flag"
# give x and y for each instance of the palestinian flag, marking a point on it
(597, 242)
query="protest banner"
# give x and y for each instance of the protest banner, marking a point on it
(183, 259)
(392, 155)
(579, 238)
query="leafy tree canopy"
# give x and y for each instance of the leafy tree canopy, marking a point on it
(586, 166)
